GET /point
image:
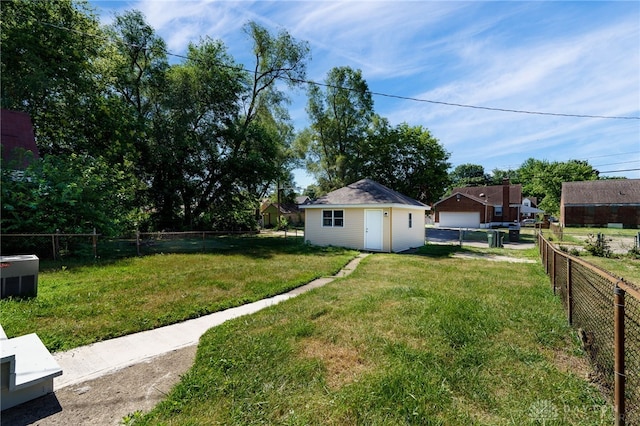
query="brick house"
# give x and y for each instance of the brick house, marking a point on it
(482, 206)
(600, 203)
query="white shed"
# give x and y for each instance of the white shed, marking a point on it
(366, 216)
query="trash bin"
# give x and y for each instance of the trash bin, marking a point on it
(490, 240)
(514, 233)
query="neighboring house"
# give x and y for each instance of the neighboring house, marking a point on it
(302, 199)
(483, 207)
(17, 139)
(290, 212)
(365, 216)
(610, 202)
(529, 204)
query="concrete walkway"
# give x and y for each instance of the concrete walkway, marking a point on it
(102, 358)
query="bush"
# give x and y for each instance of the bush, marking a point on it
(634, 253)
(598, 245)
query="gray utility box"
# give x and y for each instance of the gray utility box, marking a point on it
(19, 276)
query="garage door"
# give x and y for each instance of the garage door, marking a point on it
(459, 220)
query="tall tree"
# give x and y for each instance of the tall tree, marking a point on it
(407, 159)
(190, 133)
(498, 176)
(48, 51)
(543, 179)
(260, 152)
(340, 118)
(468, 175)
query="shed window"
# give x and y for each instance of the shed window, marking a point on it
(333, 218)
(410, 220)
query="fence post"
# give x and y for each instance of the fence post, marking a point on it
(95, 244)
(569, 292)
(56, 245)
(552, 272)
(138, 242)
(53, 246)
(619, 374)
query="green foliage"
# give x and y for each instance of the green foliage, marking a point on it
(186, 137)
(48, 71)
(405, 158)
(348, 142)
(543, 179)
(340, 117)
(469, 175)
(75, 193)
(598, 245)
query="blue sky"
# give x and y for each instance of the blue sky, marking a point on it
(578, 58)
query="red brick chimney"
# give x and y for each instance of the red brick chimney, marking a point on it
(506, 211)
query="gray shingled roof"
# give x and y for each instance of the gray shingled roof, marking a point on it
(608, 191)
(365, 192)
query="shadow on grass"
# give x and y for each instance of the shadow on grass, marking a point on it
(438, 250)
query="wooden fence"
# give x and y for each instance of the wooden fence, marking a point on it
(606, 312)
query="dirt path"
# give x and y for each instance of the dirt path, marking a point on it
(108, 399)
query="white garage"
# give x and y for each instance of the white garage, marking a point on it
(459, 220)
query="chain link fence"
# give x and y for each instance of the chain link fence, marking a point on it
(59, 246)
(605, 310)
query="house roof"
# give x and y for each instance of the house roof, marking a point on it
(365, 192)
(282, 208)
(302, 199)
(608, 191)
(16, 132)
(491, 195)
(471, 197)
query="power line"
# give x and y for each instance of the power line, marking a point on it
(617, 171)
(517, 111)
(407, 98)
(612, 155)
(615, 164)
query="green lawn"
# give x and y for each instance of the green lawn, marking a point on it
(406, 339)
(623, 267)
(77, 305)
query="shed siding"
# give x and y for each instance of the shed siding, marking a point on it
(395, 224)
(351, 235)
(404, 237)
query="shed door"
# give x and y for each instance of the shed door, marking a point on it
(373, 229)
